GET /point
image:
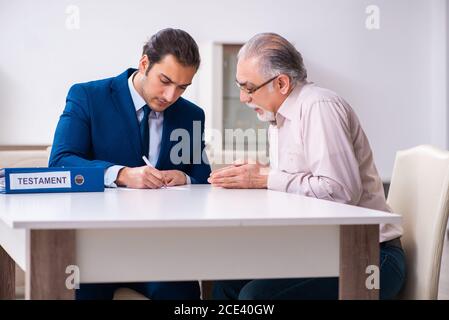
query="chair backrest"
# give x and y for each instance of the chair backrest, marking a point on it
(419, 191)
(23, 158)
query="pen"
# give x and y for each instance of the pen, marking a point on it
(147, 162)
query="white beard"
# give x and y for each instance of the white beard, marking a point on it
(265, 116)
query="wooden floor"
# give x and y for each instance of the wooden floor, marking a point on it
(443, 292)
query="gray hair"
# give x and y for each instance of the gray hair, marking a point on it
(277, 56)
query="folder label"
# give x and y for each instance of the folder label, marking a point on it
(41, 180)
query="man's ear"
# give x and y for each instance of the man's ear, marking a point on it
(283, 83)
(143, 64)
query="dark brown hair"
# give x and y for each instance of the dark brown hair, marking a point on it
(175, 42)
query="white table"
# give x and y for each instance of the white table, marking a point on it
(184, 233)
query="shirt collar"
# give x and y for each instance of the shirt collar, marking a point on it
(137, 99)
(289, 108)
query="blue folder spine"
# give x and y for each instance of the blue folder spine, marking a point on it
(81, 180)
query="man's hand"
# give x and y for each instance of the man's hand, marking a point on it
(140, 178)
(174, 177)
(241, 176)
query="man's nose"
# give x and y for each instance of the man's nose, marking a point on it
(170, 94)
(244, 97)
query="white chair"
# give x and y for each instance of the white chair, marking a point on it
(23, 158)
(420, 192)
(128, 294)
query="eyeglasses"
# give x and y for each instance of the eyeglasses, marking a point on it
(252, 90)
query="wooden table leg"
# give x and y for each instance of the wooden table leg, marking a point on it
(7, 276)
(51, 252)
(359, 249)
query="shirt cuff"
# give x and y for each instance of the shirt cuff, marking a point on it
(188, 180)
(110, 176)
(278, 180)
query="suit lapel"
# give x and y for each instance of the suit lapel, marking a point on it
(125, 107)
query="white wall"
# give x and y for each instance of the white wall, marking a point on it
(395, 77)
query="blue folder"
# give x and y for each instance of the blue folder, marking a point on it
(38, 180)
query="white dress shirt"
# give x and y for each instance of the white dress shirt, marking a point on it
(155, 125)
(318, 149)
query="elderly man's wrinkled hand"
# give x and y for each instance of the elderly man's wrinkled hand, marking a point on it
(240, 176)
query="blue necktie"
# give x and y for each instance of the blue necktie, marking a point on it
(145, 131)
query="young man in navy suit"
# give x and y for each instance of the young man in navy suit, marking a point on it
(112, 123)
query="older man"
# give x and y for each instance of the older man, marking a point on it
(317, 149)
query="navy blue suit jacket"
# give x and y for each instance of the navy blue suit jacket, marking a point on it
(99, 128)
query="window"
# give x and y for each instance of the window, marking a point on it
(236, 115)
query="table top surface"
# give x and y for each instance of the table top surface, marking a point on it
(183, 206)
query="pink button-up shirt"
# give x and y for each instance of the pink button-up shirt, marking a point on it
(318, 149)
